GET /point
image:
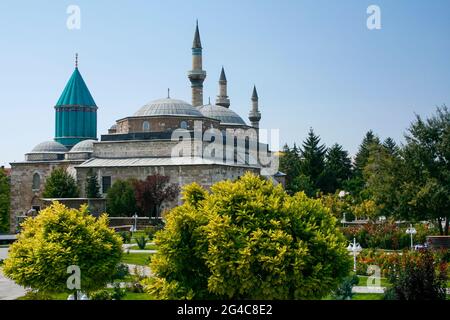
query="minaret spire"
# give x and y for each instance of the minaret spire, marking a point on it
(255, 115)
(197, 75)
(222, 98)
(76, 60)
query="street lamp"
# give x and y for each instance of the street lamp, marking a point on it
(134, 227)
(411, 231)
(354, 248)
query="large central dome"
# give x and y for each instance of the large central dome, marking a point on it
(168, 107)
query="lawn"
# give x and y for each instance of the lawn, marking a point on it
(63, 296)
(141, 259)
(363, 281)
(368, 296)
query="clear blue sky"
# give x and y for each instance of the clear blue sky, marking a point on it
(315, 63)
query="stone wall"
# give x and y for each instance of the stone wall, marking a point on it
(23, 195)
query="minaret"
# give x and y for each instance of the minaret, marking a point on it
(76, 112)
(197, 75)
(255, 115)
(222, 98)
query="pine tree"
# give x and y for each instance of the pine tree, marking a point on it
(290, 165)
(92, 186)
(364, 152)
(338, 168)
(60, 184)
(313, 160)
(391, 147)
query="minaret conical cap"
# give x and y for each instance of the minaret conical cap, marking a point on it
(197, 43)
(254, 94)
(222, 75)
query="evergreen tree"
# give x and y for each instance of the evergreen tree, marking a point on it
(290, 165)
(338, 168)
(92, 186)
(391, 147)
(313, 160)
(364, 151)
(120, 199)
(4, 201)
(60, 184)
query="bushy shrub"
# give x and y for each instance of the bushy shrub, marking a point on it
(141, 242)
(102, 294)
(121, 271)
(417, 276)
(248, 239)
(126, 236)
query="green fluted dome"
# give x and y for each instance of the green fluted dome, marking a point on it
(76, 92)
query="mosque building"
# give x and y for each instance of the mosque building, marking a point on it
(139, 145)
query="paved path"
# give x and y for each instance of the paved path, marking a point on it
(3, 253)
(360, 289)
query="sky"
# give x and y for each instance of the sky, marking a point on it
(315, 63)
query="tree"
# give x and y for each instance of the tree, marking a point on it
(426, 175)
(92, 186)
(4, 201)
(338, 169)
(120, 199)
(248, 239)
(290, 165)
(60, 184)
(363, 154)
(391, 147)
(60, 237)
(313, 160)
(152, 192)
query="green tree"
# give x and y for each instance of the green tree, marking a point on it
(290, 165)
(60, 237)
(338, 169)
(60, 184)
(120, 199)
(4, 201)
(363, 154)
(92, 185)
(426, 175)
(313, 160)
(248, 239)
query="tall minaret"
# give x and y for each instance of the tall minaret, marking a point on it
(222, 98)
(197, 75)
(255, 115)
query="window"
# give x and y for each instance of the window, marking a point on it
(36, 208)
(106, 184)
(146, 126)
(183, 125)
(36, 182)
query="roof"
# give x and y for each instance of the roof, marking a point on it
(168, 106)
(76, 92)
(145, 162)
(49, 147)
(84, 146)
(224, 115)
(197, 43)
(222, 75)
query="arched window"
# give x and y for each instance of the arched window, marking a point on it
(36, 181)
(183, 125)
(146, 126)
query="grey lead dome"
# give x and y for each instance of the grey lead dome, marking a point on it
(84, 146)
(49, 147)
(168, 107)
(225, 115)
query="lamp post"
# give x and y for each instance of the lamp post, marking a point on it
(411, 231)
(354, 248)
(134, 227)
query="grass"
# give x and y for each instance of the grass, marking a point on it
(63, 296)
(363, 281)
(368, 296)
(140, 259)
(147, 247)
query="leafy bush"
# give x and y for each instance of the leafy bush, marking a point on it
(60, 237)
(118, 292)
(60, 184)
(247, 239)
(141, 242)
(416, 276)
(120, 199)
(102, 294)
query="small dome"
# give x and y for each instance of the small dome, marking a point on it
(84, 146)
(113, 127)
(225, 115)
(166, 107)
(49, 147)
